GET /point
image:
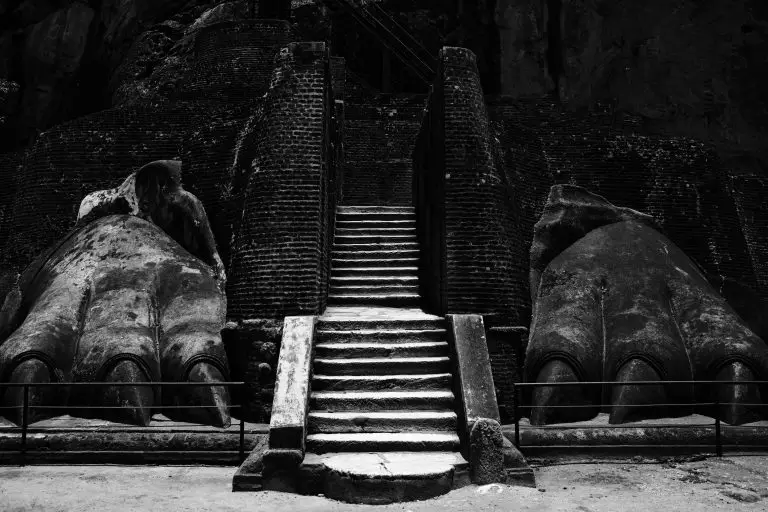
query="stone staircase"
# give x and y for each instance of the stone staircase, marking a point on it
(381, 384)
(367, 411)
(381, 393)
(382, 405)
(375, 257)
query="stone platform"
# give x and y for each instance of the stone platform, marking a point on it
(667, 436)
(70, 440)
(363, 477)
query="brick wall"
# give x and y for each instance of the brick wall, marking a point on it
(75, 158)
(751, 195)
(477, 249)
(279, 252)
(378, 165)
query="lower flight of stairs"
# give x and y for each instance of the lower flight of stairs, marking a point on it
(382, 392)
(381, 385)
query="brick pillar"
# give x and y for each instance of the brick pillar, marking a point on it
(480, 258)
(279, 252)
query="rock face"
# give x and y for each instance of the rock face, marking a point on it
(52, 55)
(74, 58)
(617, 300)
(692, 68)
(119, 300)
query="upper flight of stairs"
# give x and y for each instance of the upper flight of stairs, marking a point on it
(375, 257)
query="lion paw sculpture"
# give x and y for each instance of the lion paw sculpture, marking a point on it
(134, 293)
(615, 300)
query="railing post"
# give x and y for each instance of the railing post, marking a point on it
(24, 424)
(515, 412)
(718, 438)
(242, 437)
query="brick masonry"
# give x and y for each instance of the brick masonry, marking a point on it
(280, 251)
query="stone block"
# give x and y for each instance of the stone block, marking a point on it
(287, 428)
(478, 395)
(486, 456)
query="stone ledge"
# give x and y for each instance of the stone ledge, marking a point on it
(690, 434)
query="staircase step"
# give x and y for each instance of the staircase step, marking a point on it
(385, 324)
(359, 223)
(377, 238)
(382, 382)
(381, 421)
(374, 271)
(351, 209)
(382, 366)
(381, 350)
(360, 280)
(375, 246)
(387, 336)
(374, 289)
(388, 299)
(376, 254)
(382, 441)
(382, 400)
(373, 263)
(376, 231)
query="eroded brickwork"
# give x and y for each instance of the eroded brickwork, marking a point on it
(751, 194)
(382, 132)
(279, 251)
(477, 247)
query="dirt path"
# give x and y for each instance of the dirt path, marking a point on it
(730, 483)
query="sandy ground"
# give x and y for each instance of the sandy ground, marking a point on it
(730, 483)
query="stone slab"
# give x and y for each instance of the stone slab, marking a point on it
(474, 368)
(287, 427)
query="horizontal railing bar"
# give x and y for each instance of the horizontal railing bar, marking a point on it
(158, 407)
(595, 427)
(54, 384)
(635, 383)
(593, 406)
(633, 446)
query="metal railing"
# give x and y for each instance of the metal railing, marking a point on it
(716, 405)
(25, 428)
(391, 35)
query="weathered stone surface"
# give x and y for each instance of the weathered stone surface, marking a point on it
(619, 301)
(474, 369)
(523, 47)
(689, 433)
(486, 457)
(288, 426)
(282, 459)
(379, 478)
(135, 284)
(694, 68)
